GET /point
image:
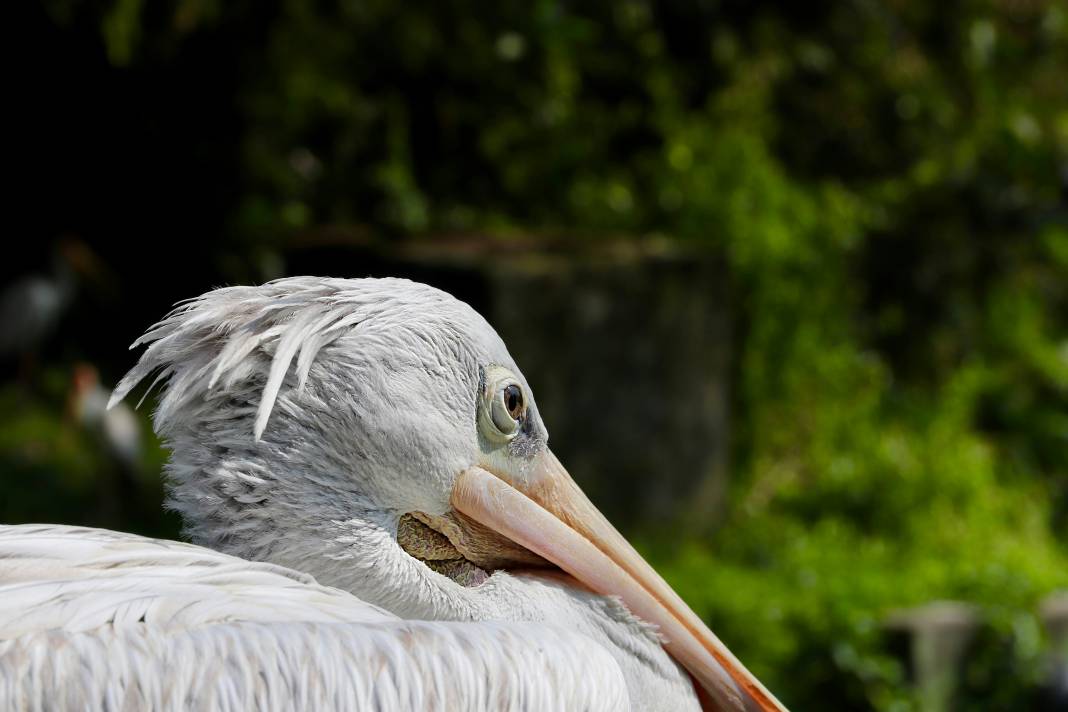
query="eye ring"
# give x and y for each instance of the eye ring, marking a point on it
(504, 404)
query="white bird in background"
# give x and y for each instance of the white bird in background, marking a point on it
(116, 427)
(32, 306)
(377, 436)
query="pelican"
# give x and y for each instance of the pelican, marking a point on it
(32, 307)
(377, 524)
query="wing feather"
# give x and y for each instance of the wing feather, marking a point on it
(91, 619)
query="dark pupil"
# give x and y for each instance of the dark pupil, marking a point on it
(513, 400)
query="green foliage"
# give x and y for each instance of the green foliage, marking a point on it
(882, 179)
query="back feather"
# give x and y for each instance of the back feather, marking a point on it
(97, 620)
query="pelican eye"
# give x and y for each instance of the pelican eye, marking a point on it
(504, 404)
(508, 408)
(513, 401)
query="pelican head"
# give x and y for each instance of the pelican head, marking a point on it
(378, 435)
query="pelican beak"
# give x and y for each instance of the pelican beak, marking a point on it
(543, 510)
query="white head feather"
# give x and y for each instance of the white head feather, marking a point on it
(362, 387)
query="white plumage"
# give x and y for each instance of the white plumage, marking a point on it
(307, 419)
(101, 620)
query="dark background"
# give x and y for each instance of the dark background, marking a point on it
(790, 279)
